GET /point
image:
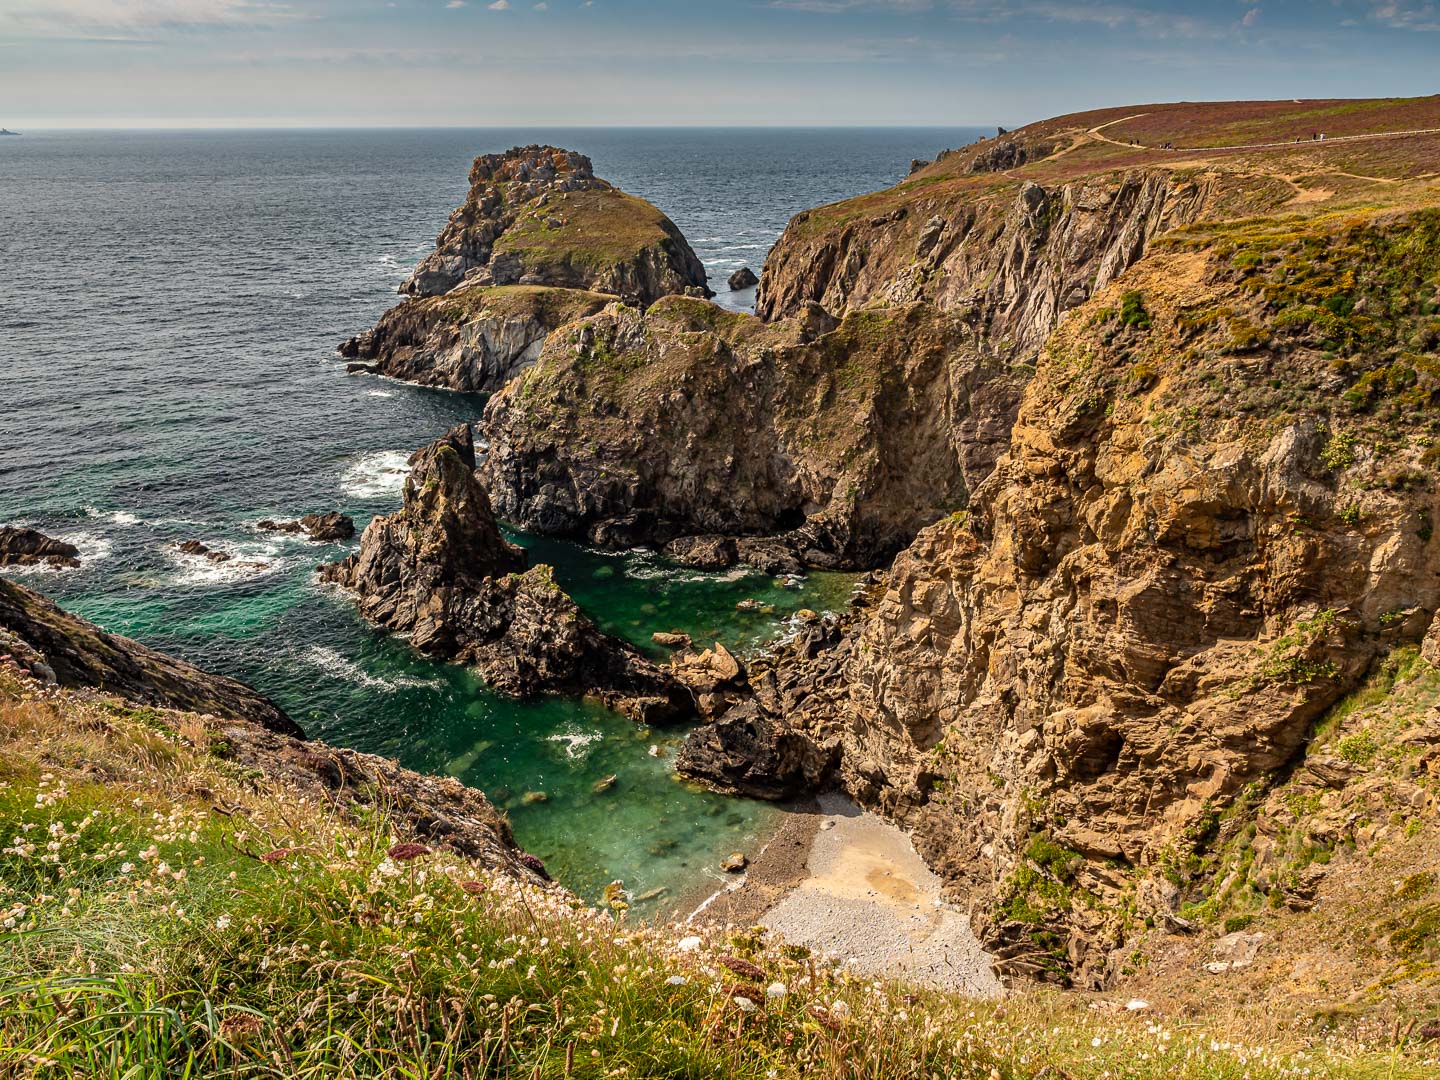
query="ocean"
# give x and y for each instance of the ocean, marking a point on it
(170, 303)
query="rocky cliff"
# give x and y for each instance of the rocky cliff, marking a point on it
(538, 215)
(471, 339)
(1012, 254)
(59, 648)
(537, 241)
(1214, 517)
(810, 440)
(440, 571)
(103, 711)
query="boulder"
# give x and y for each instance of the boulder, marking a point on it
(195, 547)
(744, 278)
(26, 547)
(319, 527)
(703, 552)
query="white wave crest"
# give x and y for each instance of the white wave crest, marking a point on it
(247, 560)
(376, 475)
(122, 518)
(577, 743)
(332, 663)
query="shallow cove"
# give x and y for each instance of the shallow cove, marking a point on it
(169, 317)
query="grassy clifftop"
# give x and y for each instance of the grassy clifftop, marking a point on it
(167, 912)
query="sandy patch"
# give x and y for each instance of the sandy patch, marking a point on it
(867, 899)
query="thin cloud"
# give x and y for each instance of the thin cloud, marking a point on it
(87, 17)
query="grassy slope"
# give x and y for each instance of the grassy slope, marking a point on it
(164, 914)
(597, 229)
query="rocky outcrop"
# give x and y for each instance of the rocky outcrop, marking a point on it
(473, 339)
(111, 685)
(539, 242)
(59, 648)
(809, 440)
(744, 278)
(1193, 549)
(26, 547)
(538, 215)
(439, 571)
(1012, 255)
(322, 528)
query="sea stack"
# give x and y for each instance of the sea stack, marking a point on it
(440, 571)
(539, 242)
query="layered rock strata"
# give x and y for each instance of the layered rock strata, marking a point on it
(439, 571)
(1195, 546)
(810, 441)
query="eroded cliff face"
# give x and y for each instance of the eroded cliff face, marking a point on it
(1215, 514)
(538, 215)
(690, 426)
(1012, 255)
(439, 570)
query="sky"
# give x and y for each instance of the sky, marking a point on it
(486, 63)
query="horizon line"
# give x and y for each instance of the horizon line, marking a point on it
(514, 125)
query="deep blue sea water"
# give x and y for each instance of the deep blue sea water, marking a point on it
(169, 309)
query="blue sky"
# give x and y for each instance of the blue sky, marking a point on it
(569, 62)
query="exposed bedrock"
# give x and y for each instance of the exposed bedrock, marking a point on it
(1195, 546)
(1013, 256)
(440, 571)
(539, 242)
(807, 441)
(20, 546)
(59, 648)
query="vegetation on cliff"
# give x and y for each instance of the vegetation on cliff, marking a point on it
(165, 912)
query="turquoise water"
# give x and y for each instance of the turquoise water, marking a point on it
(348, 683)
(169, 309)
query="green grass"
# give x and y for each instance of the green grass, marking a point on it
(164, 916)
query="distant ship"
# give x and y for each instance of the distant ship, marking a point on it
(7, 131)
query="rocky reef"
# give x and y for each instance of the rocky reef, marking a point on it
(539, 241)
(439, 571)
(27, 547)
(58, 648)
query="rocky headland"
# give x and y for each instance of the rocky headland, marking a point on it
(439, 571)
(120, 709)
(1211, 523)
(58, 648)
(539, 242)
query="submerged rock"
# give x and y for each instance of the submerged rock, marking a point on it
(26, 547)
(440, 571)
(319, 527)
(195, 547)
